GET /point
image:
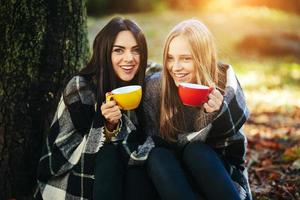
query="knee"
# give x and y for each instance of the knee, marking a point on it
(198, 151)
(156, 156)
(156, 159)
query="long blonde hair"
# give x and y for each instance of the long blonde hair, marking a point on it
(204, 56)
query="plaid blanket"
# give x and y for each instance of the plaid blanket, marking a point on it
(66, 167)
(224, 133)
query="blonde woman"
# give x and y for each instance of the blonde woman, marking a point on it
(195, 152)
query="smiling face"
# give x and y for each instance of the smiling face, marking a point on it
(180, 62)
(125, 56)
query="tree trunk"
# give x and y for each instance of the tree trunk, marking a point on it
(41, 44)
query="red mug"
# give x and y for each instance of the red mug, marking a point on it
(193, 94)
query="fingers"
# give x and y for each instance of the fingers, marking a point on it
(111, 112)
(113, 117)
(208, 108)
(108, 104)
(215, 101)
(218, 94)
(215, 97)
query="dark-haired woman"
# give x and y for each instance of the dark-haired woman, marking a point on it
(88, 148)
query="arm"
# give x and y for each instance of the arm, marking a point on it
(233, 113)
(67, 135)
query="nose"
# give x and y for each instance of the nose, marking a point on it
(177, 66)
(128, 56)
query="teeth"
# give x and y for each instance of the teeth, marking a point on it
(180, 75)
(127, 67)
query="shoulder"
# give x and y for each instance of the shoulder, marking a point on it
(75, 84)
(223, 70)
(152, 68)
(153, 78)
(79, 88)
(223, 66)
(153, 72)
(153, 82)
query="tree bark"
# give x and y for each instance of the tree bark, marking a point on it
(42, 43)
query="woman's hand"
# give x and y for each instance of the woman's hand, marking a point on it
(112, 113)
(215, 99)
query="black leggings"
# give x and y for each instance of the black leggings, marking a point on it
(115, 181)
(198, 173)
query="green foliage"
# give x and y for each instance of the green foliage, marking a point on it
(186, 4)
(97, 7)
(102, 7)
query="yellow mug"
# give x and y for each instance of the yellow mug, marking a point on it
(128, 97)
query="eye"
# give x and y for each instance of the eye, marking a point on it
(118, 50)
(170, 58)
(187, 59)
(135, 51)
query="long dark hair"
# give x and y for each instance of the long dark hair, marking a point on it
(100, 68)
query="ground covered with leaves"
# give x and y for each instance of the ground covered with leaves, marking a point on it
(274, 152)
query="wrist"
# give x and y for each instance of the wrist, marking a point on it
(113, 132)
(111, 126)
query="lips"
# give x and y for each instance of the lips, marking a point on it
(128, 68)
(180, 77)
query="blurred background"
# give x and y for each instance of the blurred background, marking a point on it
(261, 40)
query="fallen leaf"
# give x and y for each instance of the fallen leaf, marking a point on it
(292, 153)
(296, 165)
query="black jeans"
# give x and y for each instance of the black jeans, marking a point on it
(196, 172)
(115, 181)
